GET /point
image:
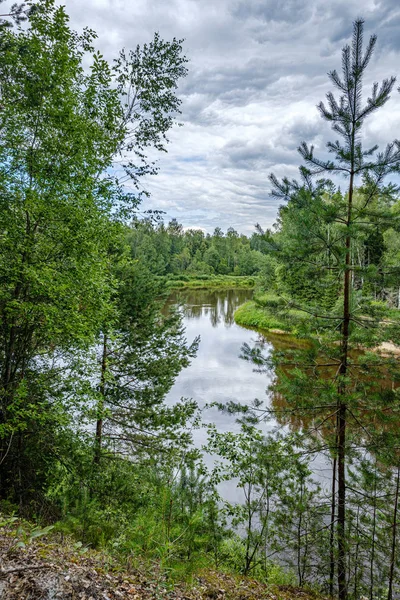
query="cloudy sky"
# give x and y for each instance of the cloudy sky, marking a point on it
(257, 70)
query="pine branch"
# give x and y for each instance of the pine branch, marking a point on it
(377, 99)
(368, 52)
(320, 165)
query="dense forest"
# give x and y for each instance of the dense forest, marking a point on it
(168, 250)
(89, 345)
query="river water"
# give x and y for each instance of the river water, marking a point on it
(218, 373)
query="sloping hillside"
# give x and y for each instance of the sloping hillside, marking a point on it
(37, 564)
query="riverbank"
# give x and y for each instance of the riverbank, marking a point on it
(252, 315)
(213, 282)
(259, 314)
(270, 313)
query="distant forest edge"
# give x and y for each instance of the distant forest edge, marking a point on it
(169, 250)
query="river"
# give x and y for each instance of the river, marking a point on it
(218, 373)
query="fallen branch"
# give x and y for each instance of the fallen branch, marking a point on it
(4, 572)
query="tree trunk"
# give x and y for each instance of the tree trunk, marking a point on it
(341, 522)
(342, 408)
(100, 406)
(332, 529)
(372, 578)
(299, 525)
(356, 576)
(394, 536)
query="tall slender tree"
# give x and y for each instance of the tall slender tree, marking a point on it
(347, 115)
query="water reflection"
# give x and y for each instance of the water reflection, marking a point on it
(313, 407)
(216, 305)
(218, 374)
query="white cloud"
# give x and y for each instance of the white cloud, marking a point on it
(257, 70)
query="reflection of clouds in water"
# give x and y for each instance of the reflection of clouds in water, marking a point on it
(218, 374)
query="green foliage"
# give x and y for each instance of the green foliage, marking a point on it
(280, 501)
(61, 212)
(143, 513)
(170, 251)
(22, 533)
(211, 281)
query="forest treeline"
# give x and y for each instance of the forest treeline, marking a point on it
(171, 250)
(88, 353)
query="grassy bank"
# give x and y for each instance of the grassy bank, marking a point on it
(270, 313)
(252, 315)
(211, 282)
(266, 312)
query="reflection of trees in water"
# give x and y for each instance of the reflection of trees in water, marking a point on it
(303, 398)
(373, 411)
(217, 305)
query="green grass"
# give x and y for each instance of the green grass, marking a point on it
(393, 314)
(252, 315)
(267, 311)
(269, 300)
(212, 282)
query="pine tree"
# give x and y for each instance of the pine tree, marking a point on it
(324, 232)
